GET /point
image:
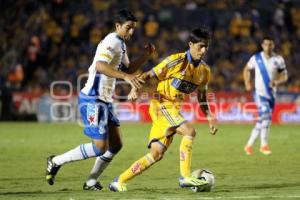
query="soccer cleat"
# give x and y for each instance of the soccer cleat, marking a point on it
(191, 182)
(248, 150)
(51, 170)
(265, 150)
(96, 187)
(116, 186)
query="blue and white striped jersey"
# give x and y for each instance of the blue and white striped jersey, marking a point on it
(112, 50)
(273, 66)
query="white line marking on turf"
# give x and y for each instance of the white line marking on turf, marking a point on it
(236, 197)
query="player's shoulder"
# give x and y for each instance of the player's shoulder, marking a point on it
(203, 66)
(113, 40)
(278, 56)
(176, 57)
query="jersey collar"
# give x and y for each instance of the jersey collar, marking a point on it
(191, 60)
(119, 37)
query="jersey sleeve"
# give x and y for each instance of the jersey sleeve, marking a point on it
(160, 70)
(107, 49)
(281, 67)
(167, 67)
(251, 63)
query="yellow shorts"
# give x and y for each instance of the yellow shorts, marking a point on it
(166, 117)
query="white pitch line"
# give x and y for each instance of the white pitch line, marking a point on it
(236, 197)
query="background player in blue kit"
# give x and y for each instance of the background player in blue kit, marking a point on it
(95, 101)
(270, 71)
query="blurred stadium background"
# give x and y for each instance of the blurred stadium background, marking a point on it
(43, 42)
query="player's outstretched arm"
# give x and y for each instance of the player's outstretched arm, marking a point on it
(135, 65)
(202, 99)
(108, 70)
(133, 94)
(247, 76)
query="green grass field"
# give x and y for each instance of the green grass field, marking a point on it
(25, 146)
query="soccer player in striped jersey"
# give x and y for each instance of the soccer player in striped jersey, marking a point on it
(95, 101)
(270, 71)
(178, 75)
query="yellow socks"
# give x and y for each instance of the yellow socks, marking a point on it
(136, 168)
(186, 155)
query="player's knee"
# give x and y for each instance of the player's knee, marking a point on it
(157, 155)
(266, 123)
(116, 148)
(101, 146)
(190, 131)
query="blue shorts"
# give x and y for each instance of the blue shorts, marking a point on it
(96, 116)
(265, 106)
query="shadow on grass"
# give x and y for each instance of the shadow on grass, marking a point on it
(258, 187)
(62, 191)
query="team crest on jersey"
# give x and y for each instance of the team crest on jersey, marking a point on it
(92, 114)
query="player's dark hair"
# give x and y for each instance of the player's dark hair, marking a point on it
(268, 37)
(124, 15)
(200, 35)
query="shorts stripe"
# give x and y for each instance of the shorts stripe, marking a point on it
(168, 116)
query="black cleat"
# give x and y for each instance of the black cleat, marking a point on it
(51, 170)
(96, 187)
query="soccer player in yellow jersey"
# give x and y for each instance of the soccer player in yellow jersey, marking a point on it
(178, 75)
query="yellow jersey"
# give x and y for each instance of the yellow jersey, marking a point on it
(180, 75)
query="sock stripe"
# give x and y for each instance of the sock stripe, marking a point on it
(105, 159)
(150, 158)
(83, 152)
(188, 137)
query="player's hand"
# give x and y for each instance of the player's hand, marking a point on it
(134, 81)
(273, 84)
(248, 86)
(212, 125)
(149, 49)
(133, 95)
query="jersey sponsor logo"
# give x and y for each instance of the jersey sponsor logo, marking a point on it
(184, 86)
(136, 168)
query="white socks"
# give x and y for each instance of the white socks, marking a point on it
(255, 132)
(264, 134)
(100, 165)
(262, 129)
(81, 152)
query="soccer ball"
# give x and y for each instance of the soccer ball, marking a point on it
(207, 175)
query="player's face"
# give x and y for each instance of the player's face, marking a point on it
(198, 49)
(268, 46)
(126, 29)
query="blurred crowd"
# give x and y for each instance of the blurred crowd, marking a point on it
(43, 41)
